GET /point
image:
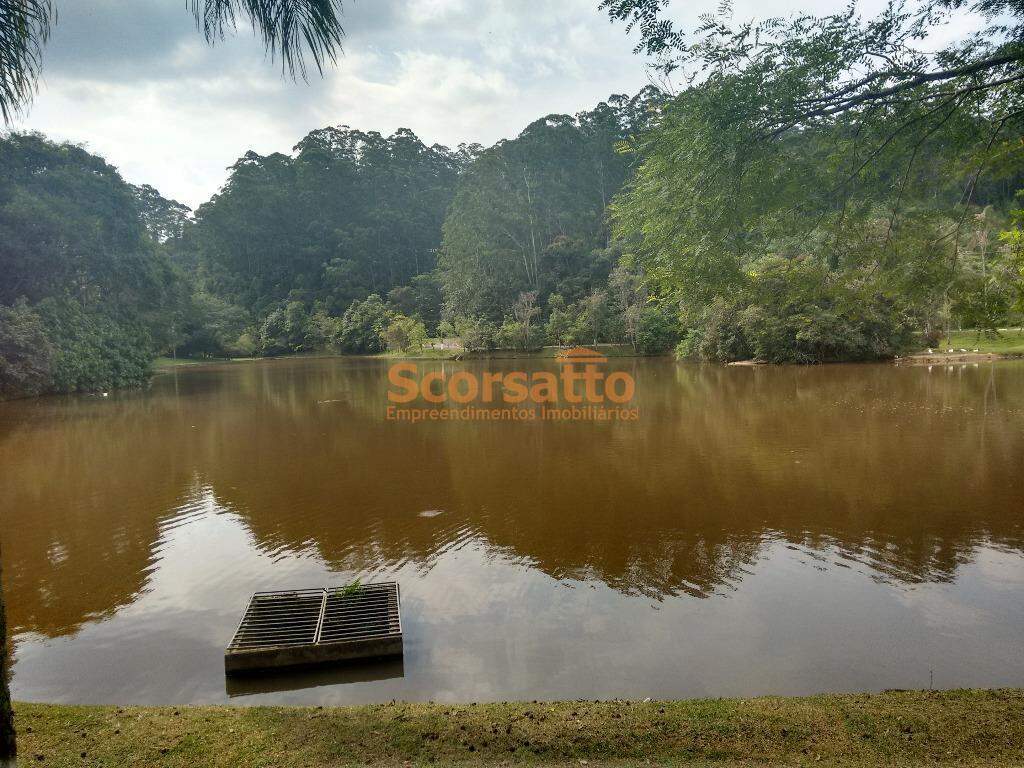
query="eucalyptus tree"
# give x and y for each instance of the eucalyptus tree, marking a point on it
(349, 214)
(291, 30)
(529, 213)
(524, 312)
(164, 219)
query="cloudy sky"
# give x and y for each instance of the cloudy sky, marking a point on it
(136, 83)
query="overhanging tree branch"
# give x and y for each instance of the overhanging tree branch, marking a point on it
(837, 104)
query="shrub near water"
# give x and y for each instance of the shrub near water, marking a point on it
(658, 330)
(363, 326)
(793, 312)
(26, 355)
(810, 333)
(58, 346)
(85, 295)
(94, 351)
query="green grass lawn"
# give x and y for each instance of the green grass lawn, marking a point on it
(968, 727)
(1009, 341)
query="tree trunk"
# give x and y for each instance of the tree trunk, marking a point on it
(7, 746)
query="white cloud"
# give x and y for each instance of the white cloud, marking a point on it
(176, 113)
(138, 84)
(432, 11)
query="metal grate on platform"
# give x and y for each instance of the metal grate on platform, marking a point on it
(313, 626)
(370, 612)
(280, 618)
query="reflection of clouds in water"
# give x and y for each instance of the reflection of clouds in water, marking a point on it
(481, 625)
(978, 596)
(1001, 567)
(205, 560)
(943, 609)
(685, 517)
(166, 645)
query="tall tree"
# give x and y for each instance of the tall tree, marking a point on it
(290, 29)
(350, 214)
(828, 232)
(808, 195)
(8, 748)
(529, 213)
(164, 219)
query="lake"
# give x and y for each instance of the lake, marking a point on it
(769, 530)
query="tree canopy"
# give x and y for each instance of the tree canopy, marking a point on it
(816, 68)
(529, 213)
(350, 214)
(822, 187)
(88, 295)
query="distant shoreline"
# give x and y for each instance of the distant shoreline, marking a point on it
(164, 364)
(967, 347)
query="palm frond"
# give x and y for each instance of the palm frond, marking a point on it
(290, 29)
(24, 27)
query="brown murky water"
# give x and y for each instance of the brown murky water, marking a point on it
(773, 530)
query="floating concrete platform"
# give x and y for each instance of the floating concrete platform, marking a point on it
(307, 627)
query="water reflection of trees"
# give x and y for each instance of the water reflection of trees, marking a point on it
(895, 469)
(83, 490)
(901, 469)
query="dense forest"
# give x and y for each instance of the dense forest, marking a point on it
(835, 187)
(354, 242)
(87, 296)
(661, 221)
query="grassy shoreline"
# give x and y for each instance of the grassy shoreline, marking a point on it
(966, 727)
(1006, 345)
(1009, 341)
(163, 364)
(971, 347)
